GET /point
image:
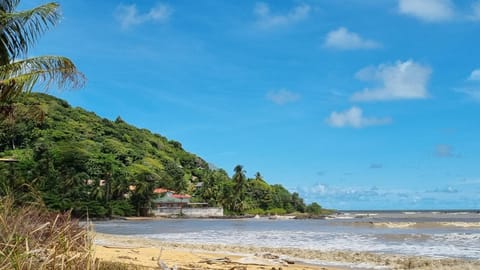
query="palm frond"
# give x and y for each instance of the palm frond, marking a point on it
(8, 5)
(44, 72)
(20, 30)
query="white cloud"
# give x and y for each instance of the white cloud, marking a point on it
(428, 10)
(345, 40)
(319, 189)
(354, 118)
(402, 80)
(267, 20)
(282, 96)
(475, 75)
(128, 15)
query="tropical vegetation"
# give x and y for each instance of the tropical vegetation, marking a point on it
(78, 161)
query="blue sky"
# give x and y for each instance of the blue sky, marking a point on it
(369, 104)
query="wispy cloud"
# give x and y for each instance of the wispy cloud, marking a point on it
(282, 97)
(448, 190)
(376, 166)
(129, 15)
(472, 93)
(402, 80)
(428, 10)
(267, 20)
(472, 86)
(342, 39)
(444, 151)
(475, 15)
(353, 117)
(474, 75)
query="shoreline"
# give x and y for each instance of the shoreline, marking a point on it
(143, 251)
(150, 253)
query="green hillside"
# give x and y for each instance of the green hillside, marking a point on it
(73, 159)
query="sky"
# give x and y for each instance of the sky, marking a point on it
(371, 104)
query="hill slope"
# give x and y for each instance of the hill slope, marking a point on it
(77, 160)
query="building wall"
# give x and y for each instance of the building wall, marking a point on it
(167, 211)
(203, 212)
(189, 212)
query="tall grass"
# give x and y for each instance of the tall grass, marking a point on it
(33, 238)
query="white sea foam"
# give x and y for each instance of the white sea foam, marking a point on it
(462, 224)
(340, 217)
(394, 225)
(459, 245)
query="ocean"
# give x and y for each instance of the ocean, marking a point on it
(437, 234)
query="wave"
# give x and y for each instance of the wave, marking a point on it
(418, 225)
(439, 245)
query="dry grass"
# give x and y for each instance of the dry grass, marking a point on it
(33, 238)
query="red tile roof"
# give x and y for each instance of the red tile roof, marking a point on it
(161, 190)
(181, 196)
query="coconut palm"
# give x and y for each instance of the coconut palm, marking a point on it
(19, 31)
(240, 184)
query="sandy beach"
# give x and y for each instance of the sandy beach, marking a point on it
(147, 252)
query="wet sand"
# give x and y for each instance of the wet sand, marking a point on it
(146, 252)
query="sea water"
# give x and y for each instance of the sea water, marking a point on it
(434, 234)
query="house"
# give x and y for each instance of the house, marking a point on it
(169, 203)
(169, 199)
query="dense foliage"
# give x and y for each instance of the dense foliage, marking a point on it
(76, 160)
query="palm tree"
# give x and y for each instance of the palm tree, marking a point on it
(239, 177)
(240, 182)
(19, 31)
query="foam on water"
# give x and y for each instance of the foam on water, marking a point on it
(459, 245)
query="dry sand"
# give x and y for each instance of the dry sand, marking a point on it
(145, 252)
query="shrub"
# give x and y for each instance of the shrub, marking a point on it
(255, 211)
(277, 211)
(314, 208)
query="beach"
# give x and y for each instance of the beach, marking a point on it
(147, 252)
(348, 241)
